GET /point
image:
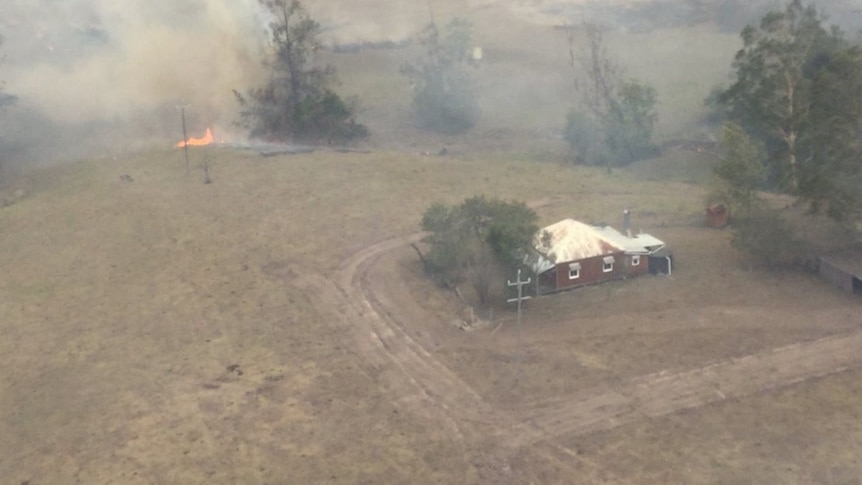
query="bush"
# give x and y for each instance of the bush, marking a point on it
(768, 237)
(329, 117)
(584, 137)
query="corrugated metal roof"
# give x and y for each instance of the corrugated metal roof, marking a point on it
(649, 242)
(637, 244)
(571, 240)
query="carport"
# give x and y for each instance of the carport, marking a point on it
(844, 269)
(661, 262)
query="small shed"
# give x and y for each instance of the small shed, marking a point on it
(717, 215)
(844, 268)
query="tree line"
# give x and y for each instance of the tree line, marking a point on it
(793, 125)
(299, 103)
(613, 126)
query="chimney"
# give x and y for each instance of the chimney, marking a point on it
(627, 222)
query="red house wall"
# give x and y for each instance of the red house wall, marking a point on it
(592, 270)
(640, 269)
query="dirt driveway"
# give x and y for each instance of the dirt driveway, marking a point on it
(380, 326)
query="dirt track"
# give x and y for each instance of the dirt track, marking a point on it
(416, 379)
(411, 375)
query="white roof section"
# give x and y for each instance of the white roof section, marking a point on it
(571, 240)
(638, 244)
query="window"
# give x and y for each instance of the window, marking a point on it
(636, 260)
(574, 271)
(608, 265)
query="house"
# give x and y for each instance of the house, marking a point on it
(843, 268)
(569, 254)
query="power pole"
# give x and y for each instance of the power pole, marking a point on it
(182, 109)
(520, 284)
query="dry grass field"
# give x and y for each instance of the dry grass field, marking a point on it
(160, 331)
(275, 327)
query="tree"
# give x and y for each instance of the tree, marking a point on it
(758, 230)
(477, 241)
(740, 172)
(621, 112)
(444, 98)
(772, 91)
(797, 92)
(717, 112)
(297, 102)
(631, 122)
(595, 75)
(831, 173)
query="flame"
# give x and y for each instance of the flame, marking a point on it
(197, 142)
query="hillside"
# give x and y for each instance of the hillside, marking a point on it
(275, 325)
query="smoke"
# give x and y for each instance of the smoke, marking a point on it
(96, 69)
(112, 60)
(131, 63)
(347, 22)
(106, 69)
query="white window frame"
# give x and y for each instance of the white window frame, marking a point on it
(636, 260)
(608, 264)
(574, 271)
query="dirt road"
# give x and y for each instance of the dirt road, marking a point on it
(657, 395)
(416, 379)
(410, 374)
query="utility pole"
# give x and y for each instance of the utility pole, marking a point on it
(520, 284)
(207, 179)
(182, 109)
